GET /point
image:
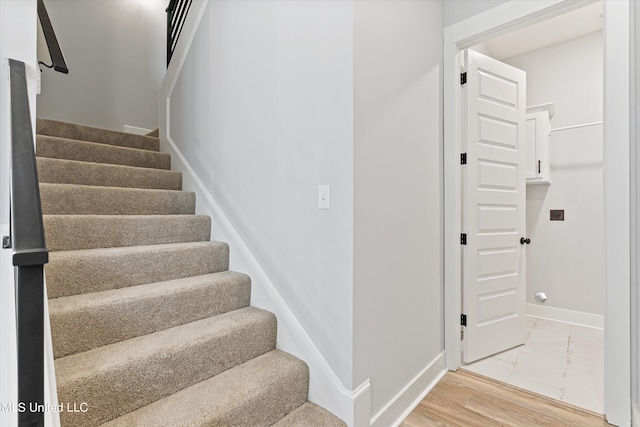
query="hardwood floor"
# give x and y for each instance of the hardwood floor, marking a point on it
(466, 399)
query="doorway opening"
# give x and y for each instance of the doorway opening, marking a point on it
(498, 21)
(560, 346)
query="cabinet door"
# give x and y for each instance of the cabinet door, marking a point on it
(537, 164)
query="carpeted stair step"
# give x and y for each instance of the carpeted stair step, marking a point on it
(64, 171)
(69, 199)
(95, 270)
(72, 232)
(60, 148)
(310, 415)
(257, 393)
(92, 134)
(128, 375)
(84, 322)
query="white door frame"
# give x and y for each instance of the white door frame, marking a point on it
(617, 173)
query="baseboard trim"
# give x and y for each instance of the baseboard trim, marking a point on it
(136, 130)
(399, 408)
(580, 318)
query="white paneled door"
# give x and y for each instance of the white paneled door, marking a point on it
(493, 206)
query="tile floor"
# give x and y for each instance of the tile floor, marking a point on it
(559, 360)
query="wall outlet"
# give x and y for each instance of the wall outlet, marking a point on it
(323, 197)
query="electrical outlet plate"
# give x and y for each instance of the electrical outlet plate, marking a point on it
(556, 215)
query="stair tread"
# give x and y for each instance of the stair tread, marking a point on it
(64, 171)
(92, 270)
(310, 415)
(119, 354)
(71, 149)
(256, 393)
(86, 321)
(72, 232)
(63, 199)
(89, 133)
(124, 376)
(149, 327)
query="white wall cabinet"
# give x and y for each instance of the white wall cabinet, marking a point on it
(538, 131)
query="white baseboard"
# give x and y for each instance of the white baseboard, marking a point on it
(399, 408)
(566, 316)
(635, 416)
(136, 130)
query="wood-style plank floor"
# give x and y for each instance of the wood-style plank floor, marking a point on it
(466, 399)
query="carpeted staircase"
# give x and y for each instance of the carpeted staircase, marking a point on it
(149, 326)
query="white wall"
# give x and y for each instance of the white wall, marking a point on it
(115, 52)
(263, 111)
(459, 10)
(17, 41)
(566, 258)
(398, 287)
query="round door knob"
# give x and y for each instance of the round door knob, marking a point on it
(523, 241)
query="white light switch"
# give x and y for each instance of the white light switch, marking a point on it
(323, 197)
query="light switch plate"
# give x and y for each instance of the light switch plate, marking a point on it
(323, 197)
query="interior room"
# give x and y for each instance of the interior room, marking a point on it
(563, 352)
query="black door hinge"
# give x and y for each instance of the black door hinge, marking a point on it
(463, 158)
(463, 78)
(6, 242)
(463, 238)
(463, 319)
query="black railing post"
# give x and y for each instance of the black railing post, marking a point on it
(29, 253)
(30, 328)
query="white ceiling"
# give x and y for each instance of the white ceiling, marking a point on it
(570, 25)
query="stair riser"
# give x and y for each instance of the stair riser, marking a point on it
(71, 232)
(64, 171)
(310, 415)
(129, 385)
(254, 394)
(60, 148)
(77, 272)
(85, 322)
(104, 136)
(63, 199)
(283, 396)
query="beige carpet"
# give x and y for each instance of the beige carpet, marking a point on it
(149, 326)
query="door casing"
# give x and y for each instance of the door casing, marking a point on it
(506, 17)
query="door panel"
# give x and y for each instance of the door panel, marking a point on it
(494, 135)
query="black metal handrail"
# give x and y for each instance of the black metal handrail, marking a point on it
(29, 253)
(176, 15)
(55, 52)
